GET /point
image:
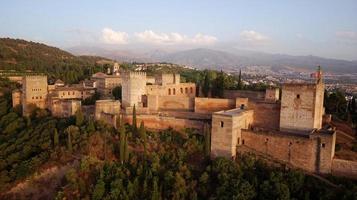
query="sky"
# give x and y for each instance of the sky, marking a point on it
(326, 28)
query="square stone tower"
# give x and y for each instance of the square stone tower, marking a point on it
(133, 88)
(301, 106)
(34, 92)
(226, 131)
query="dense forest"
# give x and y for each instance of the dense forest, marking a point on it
(135, 163)
(18, 56)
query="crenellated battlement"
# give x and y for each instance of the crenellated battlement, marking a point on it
(128, 75)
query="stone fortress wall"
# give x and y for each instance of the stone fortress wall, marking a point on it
(312, 153)
(288, 130)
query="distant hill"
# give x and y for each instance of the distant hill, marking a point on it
(21, 55)
(223, 59)
(207, 58)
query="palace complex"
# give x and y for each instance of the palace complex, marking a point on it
(287, 124)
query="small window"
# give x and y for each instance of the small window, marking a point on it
(191, 90)
(298, 96)
(222, 124)
(323, 145)
(242, 106)
(181, 90)
(169, 91)
(242, 141)
(290, 143)
(174, 91)
(186, 90)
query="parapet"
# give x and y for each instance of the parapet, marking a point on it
(128, 75)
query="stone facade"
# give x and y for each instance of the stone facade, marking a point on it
(34, 93)
(16, 98)
(78, 92)
(226, 131)
(173, 103)
(313, 152)
(210, 105)
(64, 108)
(301, 107)
(111, 107)
(106, 83)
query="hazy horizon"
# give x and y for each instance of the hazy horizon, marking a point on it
(320, 28)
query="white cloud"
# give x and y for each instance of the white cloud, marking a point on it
(254, 37)
(152, 37)
(347, 35)
(110, 36)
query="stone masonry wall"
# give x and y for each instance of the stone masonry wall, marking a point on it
(210, 105)
(254, 95)
(170, 103)
(266, 114)
(344, 168)
(155, 122)
(309, 153)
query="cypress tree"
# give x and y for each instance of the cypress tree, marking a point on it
(55, 138)
(69, 140)
(142, 133)
(207, 140)
(135, 128)
(155, 193)
(118, 122)
(79, 118)
(240, 80)
(206, 85)
(126, 150)
(122, 143)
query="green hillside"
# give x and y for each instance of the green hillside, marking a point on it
(20, 56)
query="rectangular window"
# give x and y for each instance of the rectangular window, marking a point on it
(222, 124)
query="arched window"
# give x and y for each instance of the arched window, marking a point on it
(181, 90)
(174, 91)
(186, 90)
(191, 90)
(169, 91)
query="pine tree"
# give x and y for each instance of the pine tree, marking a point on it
(55, 138)
(122, 143)
(135, 127)
(207, 140)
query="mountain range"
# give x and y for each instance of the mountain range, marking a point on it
(222, 59)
